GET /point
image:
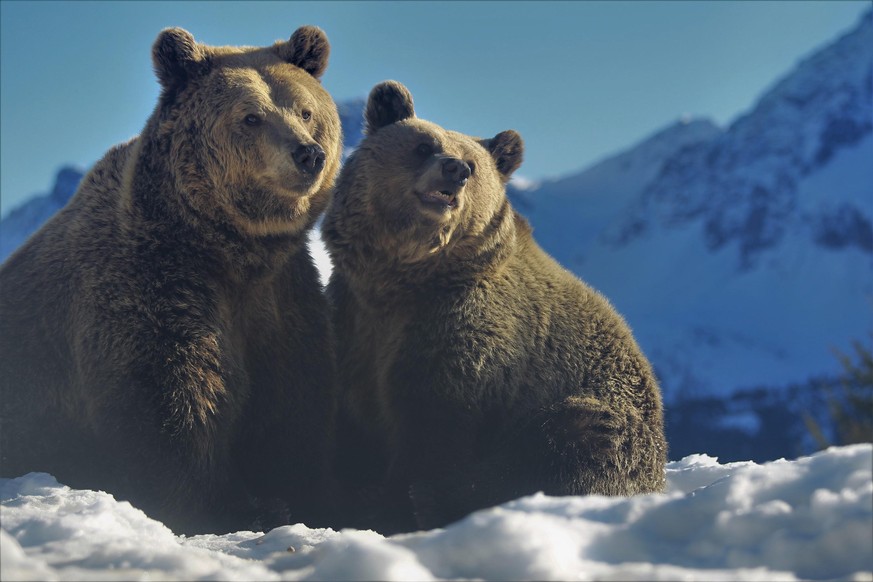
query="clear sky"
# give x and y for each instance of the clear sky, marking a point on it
(578, 80)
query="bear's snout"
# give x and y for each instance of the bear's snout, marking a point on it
(456, 171)
(309, 158)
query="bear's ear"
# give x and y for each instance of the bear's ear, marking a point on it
(177, 57)
(507, 149)
(389, 102)
(308, 48)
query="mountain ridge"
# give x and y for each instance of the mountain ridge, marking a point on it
(744, 183)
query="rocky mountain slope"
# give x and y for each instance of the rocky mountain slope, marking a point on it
(741, 255)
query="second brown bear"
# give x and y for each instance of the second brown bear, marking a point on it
(474, 368)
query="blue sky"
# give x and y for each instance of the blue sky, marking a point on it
(579, 80)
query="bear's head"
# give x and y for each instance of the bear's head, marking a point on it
(422, 186)
(250, 136)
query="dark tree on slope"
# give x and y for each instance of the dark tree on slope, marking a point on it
(852, 406)
(850, 400)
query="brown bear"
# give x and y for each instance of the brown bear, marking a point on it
(473, 368)
(165, 336)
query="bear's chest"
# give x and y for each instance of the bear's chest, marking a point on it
(460, 351)
(258, 348)
(374, 348)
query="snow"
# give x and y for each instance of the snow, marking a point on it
(523, 182)
(319, 254)
(810, 518)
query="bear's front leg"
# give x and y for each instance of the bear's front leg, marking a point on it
(563, 449)
(435, 442)
(164, 400)
(184, 446)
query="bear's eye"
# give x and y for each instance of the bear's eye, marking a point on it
(472, 168)
(252, 119)
(424, 149)
(306, 115)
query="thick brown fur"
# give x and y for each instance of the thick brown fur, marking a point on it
(474, 369)
(164, 337)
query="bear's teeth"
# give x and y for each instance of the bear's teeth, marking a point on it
(440, 197)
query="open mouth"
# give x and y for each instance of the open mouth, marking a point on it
(440, 198)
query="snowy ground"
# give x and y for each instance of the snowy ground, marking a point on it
(811, 518)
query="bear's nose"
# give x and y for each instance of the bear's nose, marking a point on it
(309, 158)
(456, 171)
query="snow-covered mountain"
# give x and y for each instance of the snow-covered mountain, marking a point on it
(746, 186)
(570, 213)
(740, 256)
(352, 119)
(27, 218)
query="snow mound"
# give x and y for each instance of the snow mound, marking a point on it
(811, 518)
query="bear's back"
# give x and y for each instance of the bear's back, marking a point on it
(41, 280)
(79, 226)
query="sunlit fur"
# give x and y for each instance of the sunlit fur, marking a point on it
(164, 337)
(474, 369)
